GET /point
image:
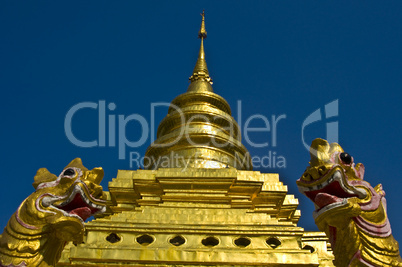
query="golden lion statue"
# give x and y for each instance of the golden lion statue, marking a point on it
(351, 212)
(52, 216)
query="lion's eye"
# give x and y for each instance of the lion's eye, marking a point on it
(69, 172)
(346, 158)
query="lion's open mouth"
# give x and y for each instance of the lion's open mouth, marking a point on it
(77, 204)
(331, 192)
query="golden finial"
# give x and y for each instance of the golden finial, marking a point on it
(200, 72)
(202, 33)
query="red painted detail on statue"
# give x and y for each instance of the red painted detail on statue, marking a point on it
(334, 189)
(324, 199)
(332, 235)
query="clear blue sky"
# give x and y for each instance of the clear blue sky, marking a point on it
(276, 57)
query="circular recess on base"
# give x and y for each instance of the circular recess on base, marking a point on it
(145, 240)
(273, 242)
(308, 247)
(113, 238)
(242, 242)
(177, 241)
(210, 241)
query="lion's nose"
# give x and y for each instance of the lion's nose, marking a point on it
(307, 177)
(95, 190)
(322, 170)
(95, 175)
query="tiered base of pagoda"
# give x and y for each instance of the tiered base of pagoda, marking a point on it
(198, 217)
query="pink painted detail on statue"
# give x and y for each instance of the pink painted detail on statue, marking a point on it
(22, 264)
(57, 181)
(358, 256)
(380, 230)
(48, 184)
(17, 217)
(333, 158)
(375, 200)
(360, 172)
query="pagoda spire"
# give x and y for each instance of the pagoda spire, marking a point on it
(200, 72)
(198, 131)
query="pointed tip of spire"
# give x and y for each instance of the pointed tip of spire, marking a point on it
(200, 72)
(202, 33)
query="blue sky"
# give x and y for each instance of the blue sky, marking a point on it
(278, 58)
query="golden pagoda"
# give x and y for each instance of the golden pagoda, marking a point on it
(198, 202)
